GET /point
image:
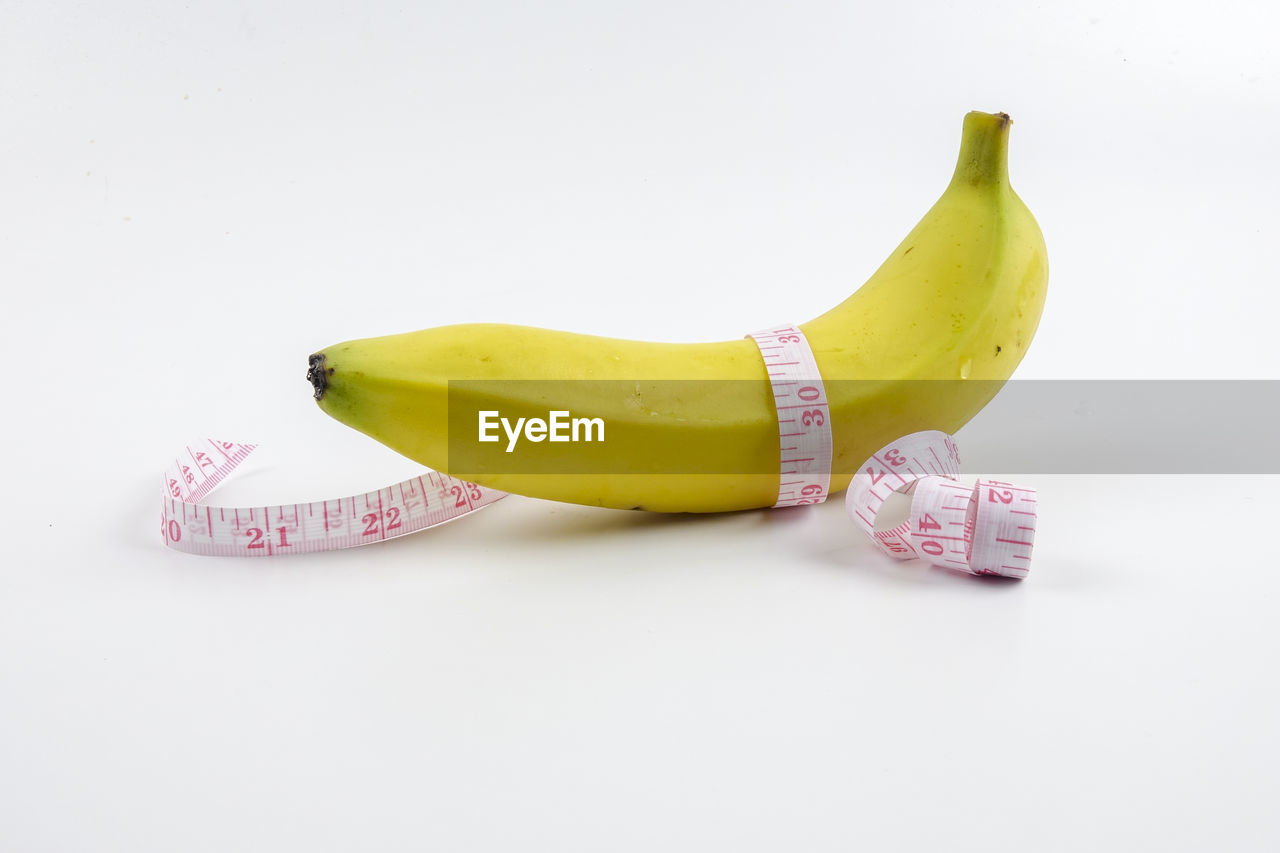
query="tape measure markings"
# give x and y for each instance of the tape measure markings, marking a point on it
(993, 538)
(329, 524)
(802, 412)
(941, 504)
(996, 537)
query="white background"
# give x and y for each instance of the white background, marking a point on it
(193, 197)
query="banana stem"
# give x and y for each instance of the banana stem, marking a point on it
(984, 150)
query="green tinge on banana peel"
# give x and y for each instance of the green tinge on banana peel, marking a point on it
(925, 343)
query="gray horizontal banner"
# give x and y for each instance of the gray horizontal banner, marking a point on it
(1202, 426)
(730, 427)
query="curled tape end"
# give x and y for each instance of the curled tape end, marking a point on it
(987, 529)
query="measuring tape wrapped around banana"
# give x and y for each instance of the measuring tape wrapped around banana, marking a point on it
(787, 416)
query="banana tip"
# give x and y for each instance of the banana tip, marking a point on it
(318, 374)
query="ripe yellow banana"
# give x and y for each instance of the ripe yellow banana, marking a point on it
(959, 299)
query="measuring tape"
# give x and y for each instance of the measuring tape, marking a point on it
(804, 418)
(987, 529)
(190, 525)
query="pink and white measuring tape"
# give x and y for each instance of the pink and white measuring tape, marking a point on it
(987, 529)
(188, 524)
(804, 419)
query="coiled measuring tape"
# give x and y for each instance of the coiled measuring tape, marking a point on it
(987, 529)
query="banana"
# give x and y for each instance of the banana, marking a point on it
(692, 427)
